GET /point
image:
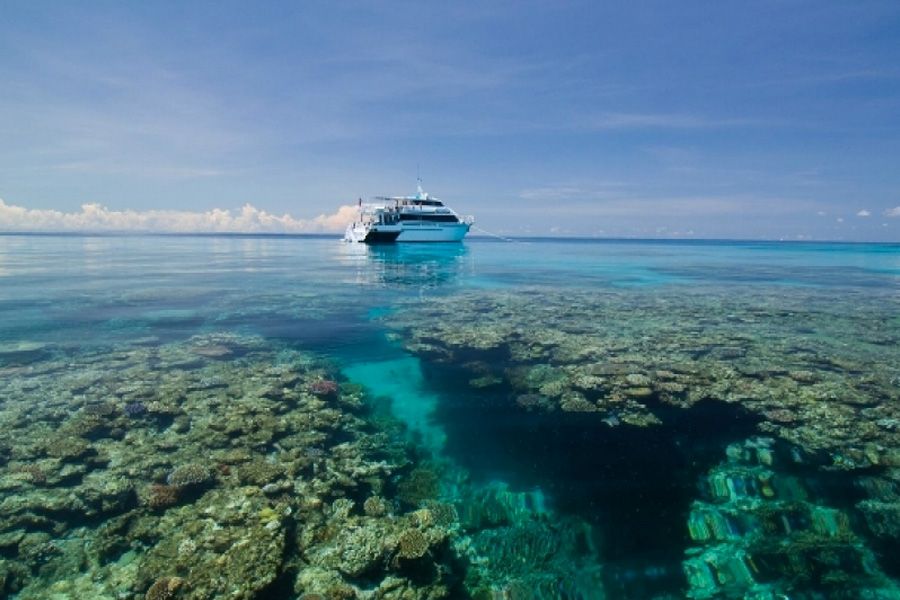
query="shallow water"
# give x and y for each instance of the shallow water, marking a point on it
(546, 418)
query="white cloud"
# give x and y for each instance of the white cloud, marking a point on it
(94, 217)
(840, 219)
(864, 213)
(892, 212)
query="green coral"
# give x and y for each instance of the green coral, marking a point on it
(190, 476)
(412, 544)
(419, 485)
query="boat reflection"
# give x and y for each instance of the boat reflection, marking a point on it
(420, 266)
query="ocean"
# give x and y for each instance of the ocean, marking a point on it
(294, 417)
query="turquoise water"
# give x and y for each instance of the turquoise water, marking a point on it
(543, 418)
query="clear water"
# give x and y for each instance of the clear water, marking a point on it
(594, 391)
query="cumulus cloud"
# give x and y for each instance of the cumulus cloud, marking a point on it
(864, 213)
(892, 212)
(95, 217)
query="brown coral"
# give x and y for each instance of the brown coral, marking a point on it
(442, 513)
(412, 544)
(161, 496)
(164, 588)
(323, 387)
(375, 506)
(37, 474)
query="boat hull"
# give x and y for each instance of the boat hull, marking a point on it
(407, 233)
(427, 232)
(381, 237)
(372, 234)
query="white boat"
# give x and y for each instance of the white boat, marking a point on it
(419, 218)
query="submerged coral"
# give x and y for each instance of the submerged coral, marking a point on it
(819, 372)
(164, 588)
(759, 534)
(190, 475)
(238, 481)
(153, 463)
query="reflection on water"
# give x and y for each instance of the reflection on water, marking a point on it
(421, 266)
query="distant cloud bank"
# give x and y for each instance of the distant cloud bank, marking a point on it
(95, 217)
(892, 212)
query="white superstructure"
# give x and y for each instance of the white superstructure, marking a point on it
(419, 218)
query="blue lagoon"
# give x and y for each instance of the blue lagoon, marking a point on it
(295, 417)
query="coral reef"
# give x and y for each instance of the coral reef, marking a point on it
(164, 588)
(816, 372)
(161, 496)
(188, 476)
(784, 358)
(163, 458)
(236, 477)
(412, 543)
(759, 534)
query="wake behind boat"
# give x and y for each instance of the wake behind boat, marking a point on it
(419, 218)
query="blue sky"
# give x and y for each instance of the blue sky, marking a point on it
(775, 119)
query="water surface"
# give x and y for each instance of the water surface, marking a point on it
(542, 418)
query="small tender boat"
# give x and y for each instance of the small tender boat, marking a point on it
(419, 218)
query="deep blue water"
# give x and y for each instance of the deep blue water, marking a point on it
(67, 295)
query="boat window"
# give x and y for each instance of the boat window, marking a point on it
(429, 217)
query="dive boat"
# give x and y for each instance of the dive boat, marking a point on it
(419, 218)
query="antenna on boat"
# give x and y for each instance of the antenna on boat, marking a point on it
(419, 192)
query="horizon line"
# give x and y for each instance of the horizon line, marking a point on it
(490, 238)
